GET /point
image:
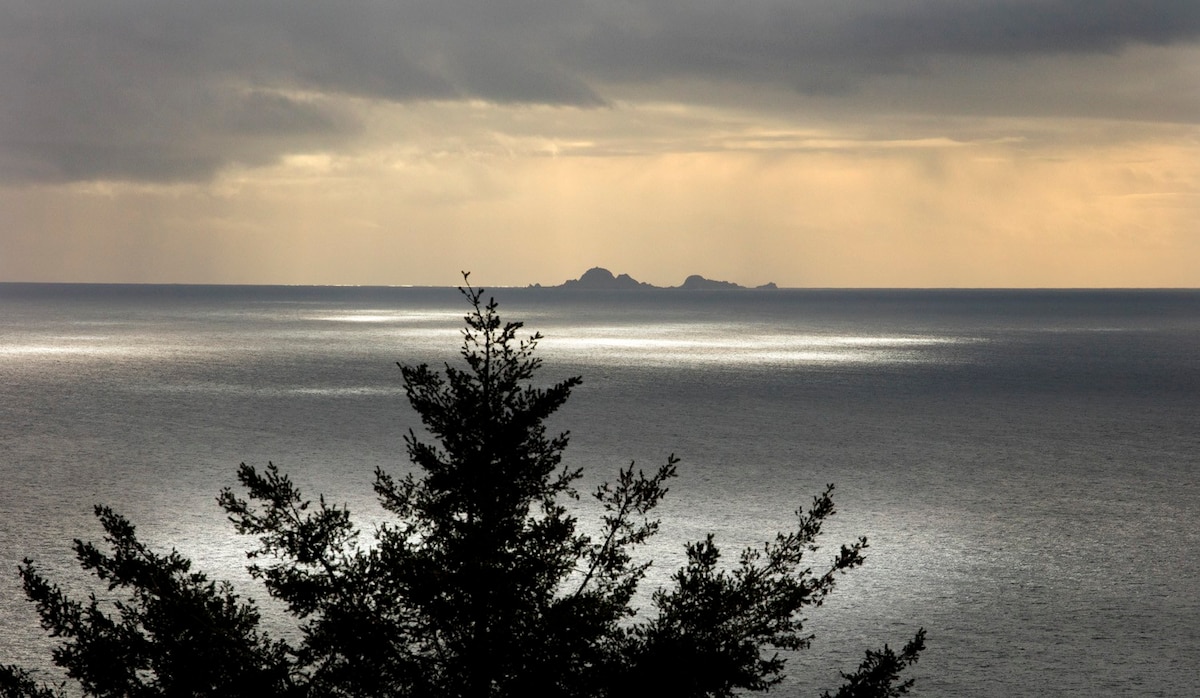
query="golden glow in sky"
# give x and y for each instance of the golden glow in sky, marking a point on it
(340, 148)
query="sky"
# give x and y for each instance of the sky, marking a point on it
(810, 143)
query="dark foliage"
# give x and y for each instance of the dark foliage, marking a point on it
(879, 673)
(170, 632)
(481, 584)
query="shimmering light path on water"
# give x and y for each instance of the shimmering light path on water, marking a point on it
(1024, 463)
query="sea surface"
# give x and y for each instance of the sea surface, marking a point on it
(1025, 464)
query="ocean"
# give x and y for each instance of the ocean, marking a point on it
(1025, 464)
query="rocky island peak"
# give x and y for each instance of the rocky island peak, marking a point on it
(601, 279)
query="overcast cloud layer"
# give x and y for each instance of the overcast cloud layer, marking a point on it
(166, 91)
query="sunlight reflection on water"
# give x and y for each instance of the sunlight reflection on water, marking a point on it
(670, 346)
(377, 316)
(51, 350)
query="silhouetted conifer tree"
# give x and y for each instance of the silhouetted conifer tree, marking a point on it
(481, 584)
(172, 632)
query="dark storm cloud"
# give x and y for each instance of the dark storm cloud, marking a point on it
(1033, 26)
(170, 90)
(821, 44)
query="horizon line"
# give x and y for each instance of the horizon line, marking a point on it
(559, 287)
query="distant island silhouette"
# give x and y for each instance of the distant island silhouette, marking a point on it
(601, 279)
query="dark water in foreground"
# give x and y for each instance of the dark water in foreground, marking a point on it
(1025, 463)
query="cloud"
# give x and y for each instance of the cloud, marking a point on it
(168, 90)
(1023, 27)
(832, 48)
